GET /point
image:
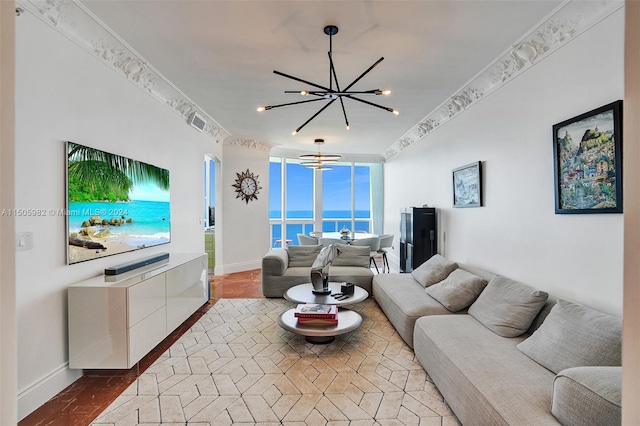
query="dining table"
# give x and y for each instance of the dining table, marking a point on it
(348, 238)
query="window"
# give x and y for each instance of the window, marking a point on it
(343, 198)
(299, 191)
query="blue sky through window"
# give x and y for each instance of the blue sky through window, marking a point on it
(336, 199)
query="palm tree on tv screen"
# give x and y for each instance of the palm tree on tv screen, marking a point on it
(98, 175)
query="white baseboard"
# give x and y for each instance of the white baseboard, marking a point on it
(237, 267)
(45, 388)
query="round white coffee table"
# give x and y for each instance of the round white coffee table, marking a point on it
(347, 321)
(302, 294)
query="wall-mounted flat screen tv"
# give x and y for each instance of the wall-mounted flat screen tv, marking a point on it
(114, 204)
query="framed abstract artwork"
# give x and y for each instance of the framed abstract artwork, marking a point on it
(467, 185)
(587, 162)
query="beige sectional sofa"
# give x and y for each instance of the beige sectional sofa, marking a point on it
(503, 353)
(283, 268)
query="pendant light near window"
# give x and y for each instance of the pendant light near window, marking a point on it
(319, 161)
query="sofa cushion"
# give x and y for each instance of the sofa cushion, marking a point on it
(573, 335)
(352, 256)
(507, 307)
(302, 255)
(403, 301)
(482, 376)
(588, 396)
(458, 290)
(434, 270)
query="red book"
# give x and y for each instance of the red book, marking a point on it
(317, 321)
(316, 310)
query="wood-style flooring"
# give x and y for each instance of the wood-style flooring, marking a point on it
(85, 399)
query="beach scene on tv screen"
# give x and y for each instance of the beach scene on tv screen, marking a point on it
(115, 204)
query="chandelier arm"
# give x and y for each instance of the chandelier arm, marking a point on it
(344, 112)
(332, 71)
(302, 81)
(294, 103)
(315, 115)
(364, 73)
(324, 92)
(371, 103)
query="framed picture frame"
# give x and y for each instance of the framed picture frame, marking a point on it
(467, 185)
(587, 159)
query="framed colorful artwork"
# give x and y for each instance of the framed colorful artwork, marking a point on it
(588, 162)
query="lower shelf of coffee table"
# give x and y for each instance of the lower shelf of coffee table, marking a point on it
(347, 321)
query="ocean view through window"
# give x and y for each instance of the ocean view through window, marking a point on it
(321, 201)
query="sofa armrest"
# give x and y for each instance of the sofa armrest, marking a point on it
(588, 396)
(275, 262)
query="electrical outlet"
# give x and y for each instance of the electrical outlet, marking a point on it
(24, 241)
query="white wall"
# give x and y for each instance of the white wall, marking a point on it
(242, 232)
(516, 233)
(8, 341)
(65, 93)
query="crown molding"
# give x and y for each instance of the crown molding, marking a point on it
(247, 143)
(562, 25)
(79, 25)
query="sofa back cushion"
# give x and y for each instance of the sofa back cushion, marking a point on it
(434, 270)
(507, 307)
(302, 255)
(573, 335)
(458, 290)
(352, 256)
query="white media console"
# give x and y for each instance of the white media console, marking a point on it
(116, 320)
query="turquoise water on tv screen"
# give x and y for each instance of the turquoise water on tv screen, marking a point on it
(150, 220)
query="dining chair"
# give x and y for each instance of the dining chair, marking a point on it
(328, 241)
(374, 245)
(305, 240)
(386, 241)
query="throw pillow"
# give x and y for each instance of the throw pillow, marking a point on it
(434, 270)
(507, 307)
(352, 256)
(573, 335)
(458, 290)
(302, 255)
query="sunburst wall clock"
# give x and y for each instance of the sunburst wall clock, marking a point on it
(247, 186)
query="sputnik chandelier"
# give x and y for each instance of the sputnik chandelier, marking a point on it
(319, 161)
(329, 93)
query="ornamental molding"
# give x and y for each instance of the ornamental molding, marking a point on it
(79, 25)
(247, 143)
(567, 21)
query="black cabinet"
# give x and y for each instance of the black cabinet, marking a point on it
(418, 236)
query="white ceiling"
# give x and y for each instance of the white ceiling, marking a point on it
(222, 54)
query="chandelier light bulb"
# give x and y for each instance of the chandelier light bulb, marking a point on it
(386, 92)
(260, 109)
(294, 133)
(347, 127)
(304, 93)
(396, 112)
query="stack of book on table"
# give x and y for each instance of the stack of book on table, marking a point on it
(316, 314)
